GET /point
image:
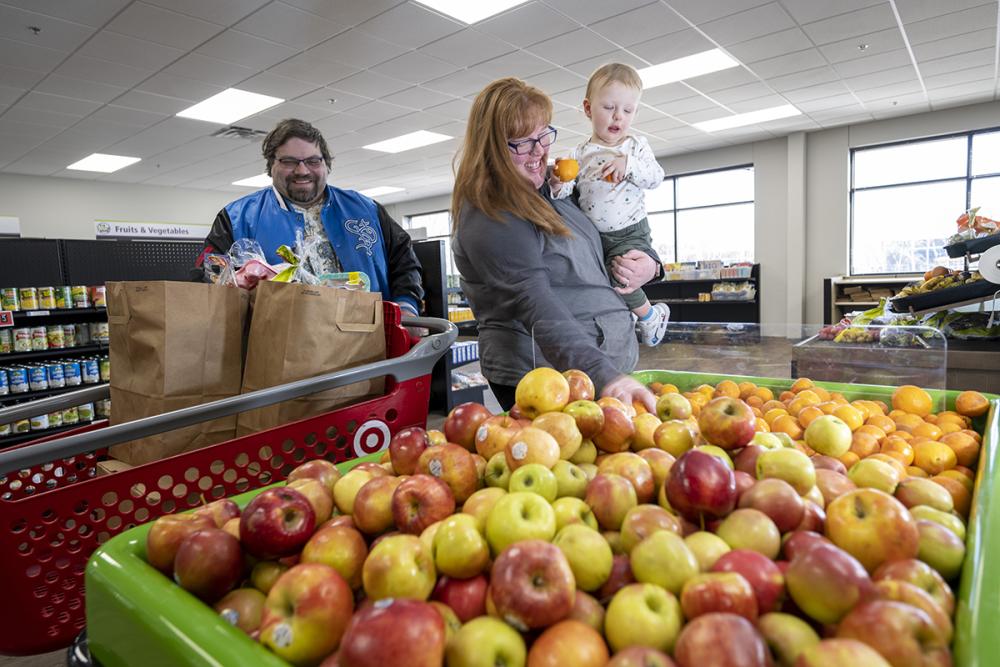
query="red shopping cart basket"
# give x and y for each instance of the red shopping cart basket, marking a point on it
(55, 510)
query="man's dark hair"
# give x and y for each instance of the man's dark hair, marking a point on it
(293, 128)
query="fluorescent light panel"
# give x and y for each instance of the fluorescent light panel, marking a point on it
(471, 11)
(381, 190)
(407, 142)
(687, 67)
(229, 106)
(749, 118)
(258, 181)
(103, 162)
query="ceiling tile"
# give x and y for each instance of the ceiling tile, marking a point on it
(125, 116)
(976, 91)
(180, 87)
(38, 58)
(460, 84)
(557, 80)
(40, 162)
(136, 99)
(289, 110)
(18, 77)
(669, 47)
(748, 91)
(845, 26)
(457, 109)
(83, 90)
(918, 10)
(529, 23)
(378, 112)
(313, 67)
(267, 83)
(889, 91)
(343, 100)
(8, 95)
(45, 117)
(586, 67)
(417, 97)
(164, 136)
(735, 76)
(800, 96)
(467, 47)
(883, 78)
(698, 11)
(55, 33)
(210, 70)
(957, 23)
(345, 13)
(951, 77)
(410, 25)
(769, 46)
(756, 22)
(951, 46)
(756, 104)
(788, 64)
(67, 105)
(372, 85)
(39, 132)
(89, 136)
(831, 102)
(223, 12)
(875, 63)
(13, 146)
(803, 79)
(281, 23)
(102, 71)
(358, 49)
(414, 67)
(520, 64)
(93, 13)
(136, 52)
(662, 96)
(572, 47)
(640, 25)
(875, 43)
(162, 26)
(243, 49)
(807, 11)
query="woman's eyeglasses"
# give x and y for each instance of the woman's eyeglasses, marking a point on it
(545, 139)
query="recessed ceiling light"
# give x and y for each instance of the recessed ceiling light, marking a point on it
(230, 105)
(749, 118)
(407, 142)
(687, 67)
(259, 181)
(381, 190)
(103, 162)
(471, 12)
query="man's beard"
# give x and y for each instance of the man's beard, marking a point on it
(302, 193)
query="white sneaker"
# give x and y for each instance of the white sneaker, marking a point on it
(651, 330)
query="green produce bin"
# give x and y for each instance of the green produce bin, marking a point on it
(136, 616)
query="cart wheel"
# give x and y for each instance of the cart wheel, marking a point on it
(78, 653)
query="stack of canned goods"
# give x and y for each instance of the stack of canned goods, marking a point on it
(53, 337)
(25, 378)
(78, 414)
(52, 298)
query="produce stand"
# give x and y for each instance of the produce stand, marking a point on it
(135, 614)
(55, 510)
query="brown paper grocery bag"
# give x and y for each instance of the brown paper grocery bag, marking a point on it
(300, 331)
(173, 345)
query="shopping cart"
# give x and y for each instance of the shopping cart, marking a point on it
(55, 510)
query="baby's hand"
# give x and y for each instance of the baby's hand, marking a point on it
(555, 184)
(614, 171)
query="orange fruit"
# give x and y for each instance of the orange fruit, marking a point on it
(797, 405)
(883, 422)
(908, 422)
(773, 414)
(753, 401)
(965, 447)
(849, 459)
(787, 424)
(837, 397)
(948, 427)
(823, 394)
(898, 448)
(912, 399)
(756, 412)
(864, 444)
(931, 418)
(883, 408)
(863, 408)
(971, 404)
(934, 457)
(566, 169)
(786, 396)
(746, 389)
(828, 407)
(903, 434)
(975, 436)
(850, 415)
(764, 393)
(873, 430)
(893, 461)
(959, 494)
(914, 471)
(801, 384)
(705, 389)
(894, 414)
(762, 425)
(772, 404)
(809, 413)
(727, 388)
(669, 389)
(927, 431)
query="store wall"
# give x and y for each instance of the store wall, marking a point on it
(65, 208)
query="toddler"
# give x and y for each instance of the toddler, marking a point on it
(615, 168)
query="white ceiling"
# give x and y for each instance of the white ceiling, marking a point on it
(109, 75)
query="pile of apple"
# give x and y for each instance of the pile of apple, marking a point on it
(587, 533)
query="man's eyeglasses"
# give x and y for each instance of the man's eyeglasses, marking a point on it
(293, 163)
(545, 139)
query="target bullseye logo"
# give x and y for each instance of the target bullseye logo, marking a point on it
(372, 436)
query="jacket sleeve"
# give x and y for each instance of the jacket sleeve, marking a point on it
(643, 169)
(218, 241)
(403, 266)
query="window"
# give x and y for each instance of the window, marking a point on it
(707, 215)
(906, 196)
(438, 227)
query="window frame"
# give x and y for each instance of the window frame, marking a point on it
(969, 178)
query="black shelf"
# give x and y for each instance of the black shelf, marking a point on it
(52, 352)
(40, 314)
(47, 392)
(18, 438)
(749, 279)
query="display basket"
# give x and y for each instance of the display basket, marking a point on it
(55, 509)
(136, 615)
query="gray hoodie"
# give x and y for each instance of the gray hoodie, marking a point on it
(519, 280)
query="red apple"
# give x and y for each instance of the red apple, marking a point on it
(466, 597)
(462, 423)
(777, 499)
(744, 482)
(495, 432)
(635, 469)
(589, 417)
(660, 462)
(727, 422)
(640, 656)
(405, 449)
(220, 511)
(833, 484)
(921, 575)
(340, 547)
(394, 632)
(798, 541)
(701, 487)
(305, 613)
(419, 501)
(209, 563)
(617, 433)
(587, 609)
(563, 428)
(611, 497)
(532, 584)
(813, 519)
(764, 577)
(721, 640)
(821, 462)
(840, 652)
(642, 521)
(826, 582)
(242, 608)
(454, 466)
(901, 633)
(718, 592)
(620, 577)
(319, 469)
(907, 593)
(746, 459)
(568, 642)
(345, 520)
(276, 523)
(531, 445)
(167, 533)
(318, 496)
(373, 505)
(581, 387)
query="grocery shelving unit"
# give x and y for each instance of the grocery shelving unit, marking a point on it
(682, 297)
(836, 302)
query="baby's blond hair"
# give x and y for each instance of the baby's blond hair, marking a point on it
(612, 72)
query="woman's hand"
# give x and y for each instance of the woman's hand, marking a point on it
(632, 270)
(627, 390)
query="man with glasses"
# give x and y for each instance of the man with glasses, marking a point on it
(349, 231)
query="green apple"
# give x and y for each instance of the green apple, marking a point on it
(589, 469)
(643, 615)
(497, 472)
(786, 440)
(874, 474)
(588, 553)
(460, 550)
(587, 452)
(571, 481)
(787, 636)
(717, 452)
(573, 510)
(706, 547)
(767, 440)
(946, 519)
(427, 536)
(481, 503)
(534, 478)
(674, 436)
(519, 516)
(673, 406)
(399, 566)
(614, 540)
(748, 528)
(940, 548)
(663, 559)
(914, 491)
(486, 642)
(790, 465)
(829, 435)
(347, 487)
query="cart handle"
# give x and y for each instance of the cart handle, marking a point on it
(420, 360)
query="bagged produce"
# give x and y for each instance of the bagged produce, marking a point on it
(173, 345)
(299, 331)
